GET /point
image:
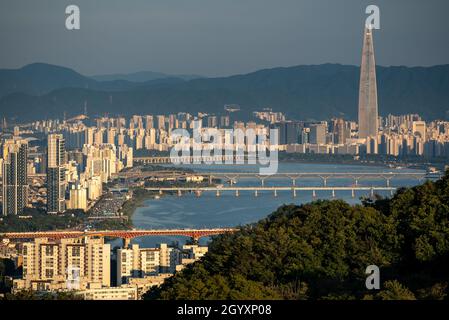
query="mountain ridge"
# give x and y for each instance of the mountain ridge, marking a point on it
(142, 76)
(302, 92)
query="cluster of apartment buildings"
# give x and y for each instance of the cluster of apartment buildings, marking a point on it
(74, 178)
(397, 136)
(87, 267)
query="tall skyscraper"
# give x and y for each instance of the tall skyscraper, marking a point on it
(56, 185)
(368, 89)
(15, 185)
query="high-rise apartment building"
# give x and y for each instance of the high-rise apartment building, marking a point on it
(135, 262)
(341, 131)
(368, 113)
(149, 122)
(212, 121)
(168, 258)
(161, 122)
(77, 197)
(56, 185)
(419, 128)
(14, 176)
(224, 121)
(65, 264)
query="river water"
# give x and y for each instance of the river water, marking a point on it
(228, 210)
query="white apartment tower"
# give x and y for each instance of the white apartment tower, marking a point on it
(65, 264)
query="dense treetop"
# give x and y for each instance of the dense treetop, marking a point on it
(321, 250)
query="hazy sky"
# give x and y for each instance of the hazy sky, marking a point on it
(218, 37)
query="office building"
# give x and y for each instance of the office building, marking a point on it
(288, 132)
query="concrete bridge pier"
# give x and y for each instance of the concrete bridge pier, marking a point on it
(232, 180)
(179, 193)
(218, 193)
(256, 193)
(161, 192)
(324, 181)
(353, 193)
(294, 193)
(388, 182)
(314, 194)
(198, 193)
(237, 193)
(372, 192)
(275, 193)
(126, 242)
(333, 193)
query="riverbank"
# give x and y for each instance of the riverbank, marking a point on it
(140, 195)
(181, 212)
(138, 199)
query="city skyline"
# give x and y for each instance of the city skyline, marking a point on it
(312, 182)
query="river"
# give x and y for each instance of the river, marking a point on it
(228, 210)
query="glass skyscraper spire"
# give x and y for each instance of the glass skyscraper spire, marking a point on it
(368, 113)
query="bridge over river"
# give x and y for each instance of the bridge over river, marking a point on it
(126, 235)
(294, 190)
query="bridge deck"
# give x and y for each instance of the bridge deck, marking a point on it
(278, 188)
(124, 234)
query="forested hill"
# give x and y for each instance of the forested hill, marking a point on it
(321, 250)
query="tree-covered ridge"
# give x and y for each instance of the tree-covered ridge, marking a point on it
(321, 250)
(318, 92)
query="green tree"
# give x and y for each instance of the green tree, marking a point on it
(395, 291)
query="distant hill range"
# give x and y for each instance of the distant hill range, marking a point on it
(317, 92)
(143, 76)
